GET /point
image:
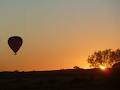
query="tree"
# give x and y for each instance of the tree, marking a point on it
(106, 58)
(116, 67)
(76, 68)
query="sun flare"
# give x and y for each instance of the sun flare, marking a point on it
(102, 67)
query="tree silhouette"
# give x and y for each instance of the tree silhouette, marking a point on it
(116, 67)
(105, 58)
(76, 68)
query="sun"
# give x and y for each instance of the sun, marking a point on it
(102, 67)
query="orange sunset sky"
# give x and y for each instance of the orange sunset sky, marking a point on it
(57, 34)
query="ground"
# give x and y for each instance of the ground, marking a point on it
(70, 79)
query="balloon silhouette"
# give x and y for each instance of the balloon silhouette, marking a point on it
(15, 43)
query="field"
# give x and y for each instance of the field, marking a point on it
(71, 79)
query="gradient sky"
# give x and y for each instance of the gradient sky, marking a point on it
(57, 33)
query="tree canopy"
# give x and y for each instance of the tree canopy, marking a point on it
(105, 58)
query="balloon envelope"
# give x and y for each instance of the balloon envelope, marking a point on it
(15, 43)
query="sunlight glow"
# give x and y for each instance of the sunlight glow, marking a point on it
(102, 67)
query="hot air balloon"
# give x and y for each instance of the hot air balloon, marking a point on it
(15, 42)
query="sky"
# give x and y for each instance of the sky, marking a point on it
(57, 34)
